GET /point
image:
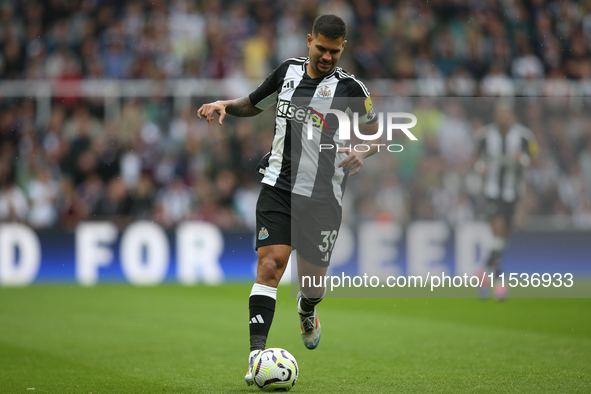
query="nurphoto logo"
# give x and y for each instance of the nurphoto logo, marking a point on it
(345, 130)
(315, 120)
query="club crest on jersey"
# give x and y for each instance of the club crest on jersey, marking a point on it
(324, 93)
(263, 234)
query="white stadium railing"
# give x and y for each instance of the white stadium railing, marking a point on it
(181, 90)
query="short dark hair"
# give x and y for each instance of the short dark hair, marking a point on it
(330, 26)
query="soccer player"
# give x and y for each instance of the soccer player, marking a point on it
(299, 206)
(505, 149)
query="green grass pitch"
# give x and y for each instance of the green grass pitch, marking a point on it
(174, 339)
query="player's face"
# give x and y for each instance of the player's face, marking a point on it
(324, 54)
(504, 117)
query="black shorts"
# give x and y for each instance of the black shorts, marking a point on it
(497, 207)
(309, 225)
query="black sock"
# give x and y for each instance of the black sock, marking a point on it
(262, 309)
(307, 304)
(494, 263)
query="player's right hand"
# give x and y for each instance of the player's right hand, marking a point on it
(207, 111)
(480, 167)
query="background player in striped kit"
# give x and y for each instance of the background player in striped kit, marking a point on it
(505, 149)
(309, 185)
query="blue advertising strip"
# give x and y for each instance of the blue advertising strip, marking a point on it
(58, 262)
(566, 251)
(204, 254)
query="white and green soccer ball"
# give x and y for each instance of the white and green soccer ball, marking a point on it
(275, 369)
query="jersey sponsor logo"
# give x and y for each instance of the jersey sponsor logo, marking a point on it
(324, 93)
(263, 234)
(289, 85)
(285, 109)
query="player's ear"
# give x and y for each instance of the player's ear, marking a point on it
(343, 45)
(310, 38)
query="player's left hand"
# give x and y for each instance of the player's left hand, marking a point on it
(353, 162)
(207, 110)
(522, 159)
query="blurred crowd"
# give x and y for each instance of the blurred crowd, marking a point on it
(489, 41)
(156, 162)
(435, 178)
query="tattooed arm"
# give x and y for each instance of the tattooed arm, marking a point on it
(240, 107)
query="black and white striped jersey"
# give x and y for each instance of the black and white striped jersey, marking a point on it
(505, 156)
(295, 163)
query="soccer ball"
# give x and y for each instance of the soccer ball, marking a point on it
(275, 369)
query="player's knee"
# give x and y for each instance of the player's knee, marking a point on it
(499, 244)
(268, 266)
(270, 269)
